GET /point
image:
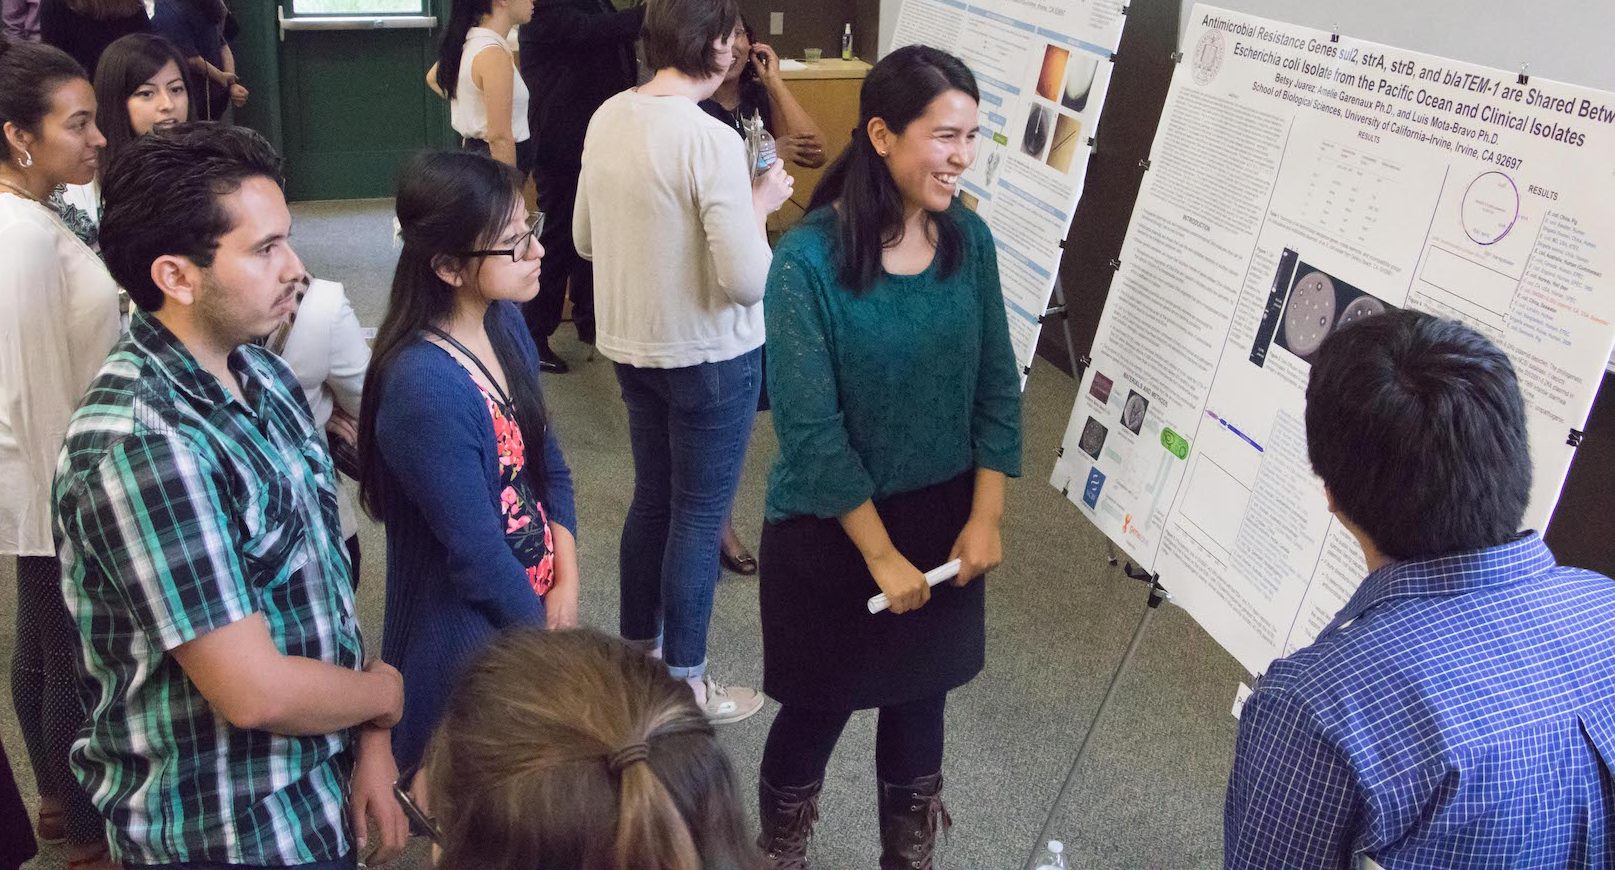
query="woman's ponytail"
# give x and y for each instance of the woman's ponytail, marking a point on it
(463, 15)
(650, 830)
(573, 749)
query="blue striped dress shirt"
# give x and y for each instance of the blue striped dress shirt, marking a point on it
(1458, 712)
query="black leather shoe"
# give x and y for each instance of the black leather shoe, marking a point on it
(549, 361)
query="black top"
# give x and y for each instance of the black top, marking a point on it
(82, 37)
(575, 54)
(753, 98)
(183, 24)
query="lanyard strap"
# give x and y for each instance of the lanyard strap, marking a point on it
(492, 381)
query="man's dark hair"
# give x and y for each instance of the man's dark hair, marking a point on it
(679, 34)
(163, 196)
(1417, 427)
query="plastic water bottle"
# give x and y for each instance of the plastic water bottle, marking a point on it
(1053, 857)
(760, 146)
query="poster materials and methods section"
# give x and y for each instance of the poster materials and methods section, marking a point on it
(1043, 69)
(1301, 181)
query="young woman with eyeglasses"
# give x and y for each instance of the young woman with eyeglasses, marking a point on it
(456, 453)
(516, 778)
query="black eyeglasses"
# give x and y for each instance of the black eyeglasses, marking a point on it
(519, 251)
(419, 821)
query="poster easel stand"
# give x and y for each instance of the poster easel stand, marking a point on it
(1060, 310)
(1157, 596)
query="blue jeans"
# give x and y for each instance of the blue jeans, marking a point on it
(688, 428)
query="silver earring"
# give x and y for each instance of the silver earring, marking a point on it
(26, 160)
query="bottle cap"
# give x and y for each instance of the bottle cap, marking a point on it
(1056, 846)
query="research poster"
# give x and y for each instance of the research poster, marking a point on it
(1300, 182)
(1043, 67)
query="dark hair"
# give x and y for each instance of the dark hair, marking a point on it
(679, 34)
(129, 62)
(519, 772)
(163, 196)
(748, 73)
(29, 74)
(463, 16)
(1417, 428)
(448, 201)
(897, 91)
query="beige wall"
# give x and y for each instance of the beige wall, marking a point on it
(817, 24)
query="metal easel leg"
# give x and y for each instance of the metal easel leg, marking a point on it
(1157, 596)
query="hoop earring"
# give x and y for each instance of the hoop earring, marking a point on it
(26, 160)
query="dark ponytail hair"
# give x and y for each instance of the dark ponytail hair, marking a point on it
(29, 73)
(129, 62)
(448, 201)
(574, 749)
(897, 91)
(463, 15)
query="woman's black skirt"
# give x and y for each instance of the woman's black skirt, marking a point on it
(822, 648)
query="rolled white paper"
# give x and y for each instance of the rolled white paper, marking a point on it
(934, 576)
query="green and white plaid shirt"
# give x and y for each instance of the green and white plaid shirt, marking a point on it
(181, 510)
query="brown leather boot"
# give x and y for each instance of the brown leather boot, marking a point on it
(787, 816)
(911, 813)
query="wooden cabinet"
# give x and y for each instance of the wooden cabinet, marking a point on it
(828, 90)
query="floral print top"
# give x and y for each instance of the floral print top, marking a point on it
(76, 220)
(527, 528)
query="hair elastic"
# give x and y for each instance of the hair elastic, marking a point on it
(633, 753)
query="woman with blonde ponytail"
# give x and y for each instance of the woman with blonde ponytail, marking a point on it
(573, 749)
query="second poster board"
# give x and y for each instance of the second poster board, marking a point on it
(1043, 70)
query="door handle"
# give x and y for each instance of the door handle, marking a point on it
(352, 22)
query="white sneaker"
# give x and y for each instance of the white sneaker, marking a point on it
(726, 704)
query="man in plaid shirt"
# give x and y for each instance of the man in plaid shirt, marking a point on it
(1460, 710)
(229, 709)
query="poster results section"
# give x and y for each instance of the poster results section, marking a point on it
(1043, 69)
(1300, 182)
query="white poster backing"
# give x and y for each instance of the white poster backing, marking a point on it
(1300, 181)
(1043, 69)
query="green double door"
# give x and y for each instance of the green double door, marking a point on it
(339, 87)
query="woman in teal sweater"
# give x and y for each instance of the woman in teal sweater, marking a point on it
(897, 405)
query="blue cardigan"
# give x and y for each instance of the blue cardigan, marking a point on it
(452, 581)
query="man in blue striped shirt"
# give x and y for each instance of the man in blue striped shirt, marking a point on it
(1460, 710)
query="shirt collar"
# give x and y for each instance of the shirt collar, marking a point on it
(169, 354)
(1452, 574)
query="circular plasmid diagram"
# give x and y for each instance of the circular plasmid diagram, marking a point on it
(1491, 207)
(1311, 313)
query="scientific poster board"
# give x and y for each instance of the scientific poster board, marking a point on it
(1300, 181)
(1043, 68)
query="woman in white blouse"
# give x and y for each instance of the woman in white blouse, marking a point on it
(324, 346)
(487, 99)
(58, 320)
